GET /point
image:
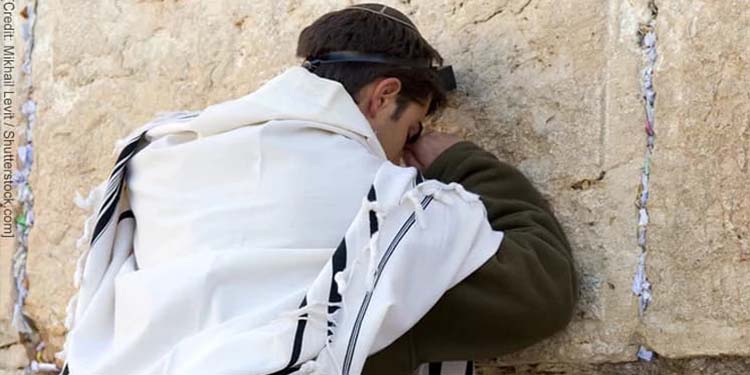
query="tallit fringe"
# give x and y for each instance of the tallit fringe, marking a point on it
(89, 205)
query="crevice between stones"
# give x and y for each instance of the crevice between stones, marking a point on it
(641, 285)
(27, 330)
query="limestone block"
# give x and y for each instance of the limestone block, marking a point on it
(13, 357)
(699, 257)
(661, 366)
(12, 354)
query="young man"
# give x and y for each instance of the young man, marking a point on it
(237, 263)
(524, 293)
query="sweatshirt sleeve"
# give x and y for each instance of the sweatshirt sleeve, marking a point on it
(527, 291)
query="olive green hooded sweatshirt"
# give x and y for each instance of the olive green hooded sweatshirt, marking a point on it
(526, 292)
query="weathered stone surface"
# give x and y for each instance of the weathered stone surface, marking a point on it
(7, 332)
(551, 86)
(659, 366)
(13, 357)
(699, 258)
(556, 93)
(12, 352)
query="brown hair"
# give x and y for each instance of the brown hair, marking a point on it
(364, 30)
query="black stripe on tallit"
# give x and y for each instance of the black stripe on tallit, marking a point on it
(106, 215)
(420, 179)
(126, 214)
(107, 209)
(435, 368)
(368, 296)
(469, 368)
(299, 334)
(338, 263)
(112, 185)
(287, 371)
(371, 196)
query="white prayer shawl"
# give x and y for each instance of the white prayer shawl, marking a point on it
(241, 266)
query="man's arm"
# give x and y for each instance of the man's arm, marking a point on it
(525, 292)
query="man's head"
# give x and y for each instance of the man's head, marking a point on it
(394, 98)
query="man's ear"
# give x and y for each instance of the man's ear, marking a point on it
(384, 92)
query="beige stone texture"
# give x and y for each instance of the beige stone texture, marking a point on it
(12, 352)
(13, 357)
(550, 86)
(699, 258)
(660, 366)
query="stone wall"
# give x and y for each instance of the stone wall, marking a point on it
(554, 87)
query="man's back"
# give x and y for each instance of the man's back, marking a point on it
(289, 186)
(296, 188)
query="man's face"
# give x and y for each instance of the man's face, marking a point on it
(378, 102)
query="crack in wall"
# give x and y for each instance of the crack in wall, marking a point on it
(22, 323)
(523, 7)
(488, 18)
(25, 198)
(641, 285)
(588, 183)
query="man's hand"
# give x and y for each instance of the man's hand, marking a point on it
(428, 147)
